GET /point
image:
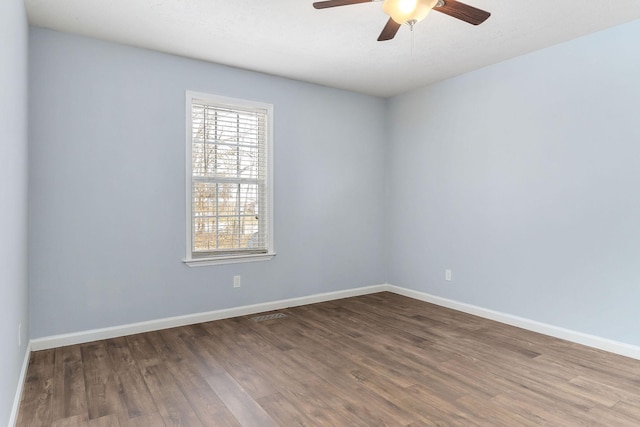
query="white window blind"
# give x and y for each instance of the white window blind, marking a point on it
(229, 152)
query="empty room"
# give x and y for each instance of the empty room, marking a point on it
(331, 213)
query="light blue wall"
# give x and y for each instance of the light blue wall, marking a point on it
(107, 187)
(524, 179)
(13, 199)
(520, 177)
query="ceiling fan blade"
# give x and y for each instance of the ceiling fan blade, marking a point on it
(389, 31)
(464, 12)
(334, 3)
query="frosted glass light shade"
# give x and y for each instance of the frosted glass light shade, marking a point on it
(403, 11)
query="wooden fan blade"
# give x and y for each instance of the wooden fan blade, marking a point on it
(389, 31)
(334, 3)
(464, 12)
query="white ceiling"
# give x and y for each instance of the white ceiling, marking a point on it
(333, 47)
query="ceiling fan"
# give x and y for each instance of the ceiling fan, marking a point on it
(412, 11)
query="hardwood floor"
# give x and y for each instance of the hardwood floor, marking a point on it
(373, 360)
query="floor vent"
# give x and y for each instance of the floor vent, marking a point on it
(268, 317)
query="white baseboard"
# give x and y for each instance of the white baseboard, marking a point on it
(13, 417)
(531, 325)
(190, 319)
(154, 325)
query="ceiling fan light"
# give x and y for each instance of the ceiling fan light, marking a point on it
(403, 11)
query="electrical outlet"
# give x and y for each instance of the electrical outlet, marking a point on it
(447, 275)
(236, 281)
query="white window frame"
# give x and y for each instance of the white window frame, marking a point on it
(223, 101)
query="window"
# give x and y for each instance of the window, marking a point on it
(229, 180)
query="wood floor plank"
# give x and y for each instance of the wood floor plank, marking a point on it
(207, 364)
(544, 410)
(303, 391)
(75, 421)
(151, 420)
(105, 421)
(206, 404)
(69, 383)
(361, 401)
(239, 335)
(380, 359)
(142, 350)
(102, 389)
(612, 418)
(131, 385)
(630, 410)
(283, 411)
(240, 403)
(235, 363)
(172, 404)
(487, 413)
(37, 397)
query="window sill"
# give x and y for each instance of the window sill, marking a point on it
(230, 259)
